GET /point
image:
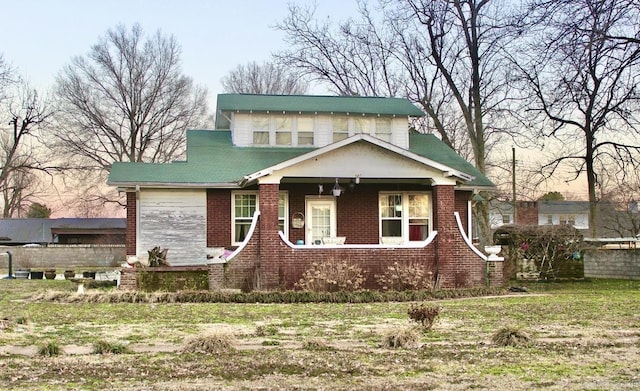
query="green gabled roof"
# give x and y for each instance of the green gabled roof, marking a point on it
(430, 146)
(212, 159)
(316, 104)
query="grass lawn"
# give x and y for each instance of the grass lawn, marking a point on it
(583, 336)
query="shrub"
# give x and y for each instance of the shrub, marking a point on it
(510, 336)
(209, 344)
(104, 347)
(407, 337)
(316, 345)
(49, 349)
(423, 314)
(401, 277)
(266, 330)
(331, 276)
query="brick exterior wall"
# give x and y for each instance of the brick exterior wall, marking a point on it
(288, 264)
(268, 263)
(218, 218)
(131, 224)
(462, 199)
(527, 213)
(457, 265)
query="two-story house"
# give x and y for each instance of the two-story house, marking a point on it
(285, 181)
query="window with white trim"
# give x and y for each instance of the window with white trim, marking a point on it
(260, 125)
(340, 127)
(361, 125)
(405, 215)
(245, 204)
(282, 130)
(305, 126)
(383, 129)
(283, 212)
(283, 127)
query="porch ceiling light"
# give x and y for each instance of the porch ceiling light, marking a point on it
(337, 190)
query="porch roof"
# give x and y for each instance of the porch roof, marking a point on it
(213, 161)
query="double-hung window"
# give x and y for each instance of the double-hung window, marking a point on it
(405, 215)
(340, 126)
(283, 212)
(383, 129)
(283, 125)
(245, 204)
(305, 130)
(260, 125)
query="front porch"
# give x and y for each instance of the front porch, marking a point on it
(270, 259)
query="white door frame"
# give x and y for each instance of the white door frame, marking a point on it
(312, 202)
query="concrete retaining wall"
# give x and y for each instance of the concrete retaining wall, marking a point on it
(612, 263)
(63, 257)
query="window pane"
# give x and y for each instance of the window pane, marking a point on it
(260, 122)
(305, 124)
(245, 205)
(283, 123)
(242, 228)
(361, 125)
(418, 229)
(418, 205)
(283, 138)
(391, 205)
(305, 138)
(391, 227)
(261, 138)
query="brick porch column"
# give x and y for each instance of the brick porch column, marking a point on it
(130, 237)
(268, 247)
(445, 224)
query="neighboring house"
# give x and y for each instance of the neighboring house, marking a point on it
(613, 221)
(19, 232)
(574, 213)
(285, 181)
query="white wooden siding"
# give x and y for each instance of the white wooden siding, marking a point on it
(400, 132)
(241, 128)
(173, 219)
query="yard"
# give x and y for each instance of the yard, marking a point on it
(583, 335)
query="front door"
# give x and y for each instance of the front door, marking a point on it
(321, 219)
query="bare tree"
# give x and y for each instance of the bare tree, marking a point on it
(268, 78)
(126, 100)
(583, 85)
(446, 56)
(21, 155)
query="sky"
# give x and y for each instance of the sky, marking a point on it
(39, 37)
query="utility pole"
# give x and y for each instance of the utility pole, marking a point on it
(513, 184)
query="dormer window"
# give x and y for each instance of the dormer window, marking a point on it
(283, 127)
(282, 130)
(383, 129)
(260, 124)
(340, 128)
(305, 130)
